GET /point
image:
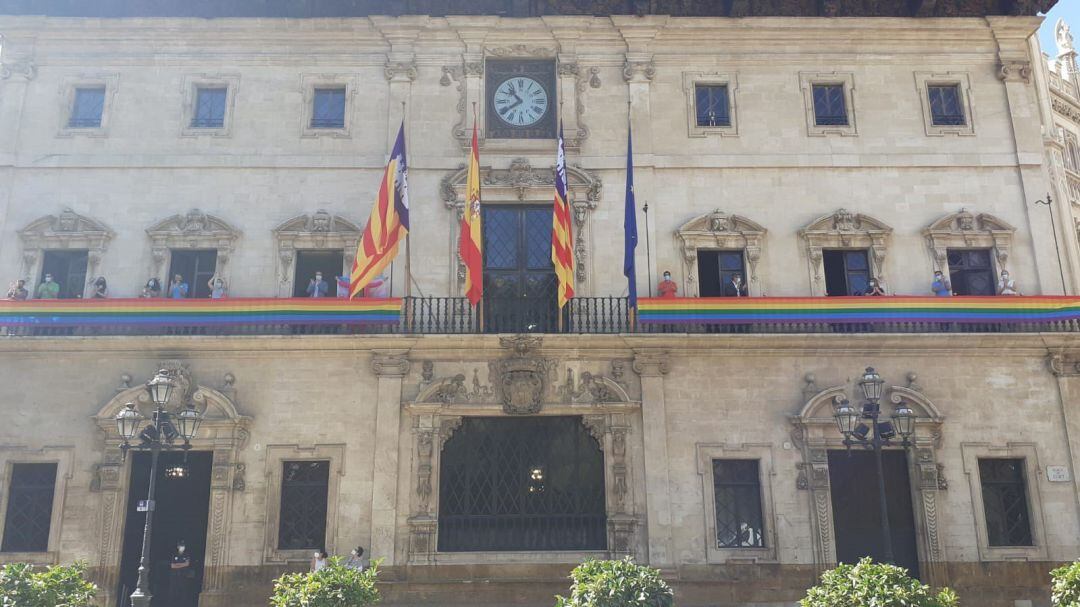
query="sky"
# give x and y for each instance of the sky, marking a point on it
(1069, 10)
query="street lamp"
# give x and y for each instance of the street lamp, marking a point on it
(1049, 204)
(874, 436)
(159, 435)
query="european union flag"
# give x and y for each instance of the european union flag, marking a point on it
(630, 223)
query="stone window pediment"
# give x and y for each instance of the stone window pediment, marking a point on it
(318, 230)
(720, 230)
(966, 230)
(193, 230)
(67, 230)
(845, 230)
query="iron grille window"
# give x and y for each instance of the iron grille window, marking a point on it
(830, 108)
(946, 108)
(209, 107)
(737, 491)
(304, 488)
(328, 111)
(971, 272)
(87, 108)
(1005, 501)
(712, 105)
(29, 508)
(522, 484)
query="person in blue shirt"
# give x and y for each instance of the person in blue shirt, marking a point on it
(178, 289)
(317, 287)
(941, 286)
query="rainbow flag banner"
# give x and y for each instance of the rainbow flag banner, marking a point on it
(894, 309)
(198, 312)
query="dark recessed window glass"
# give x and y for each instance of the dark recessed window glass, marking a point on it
(737, 489)
(713, 108)
(1005, 500)
(209, 108)
(946, 108)
(829, 105)
(87, 108)
(328, 111)
(29, 508)
(846, 272)
(971, 272)
(304, 488)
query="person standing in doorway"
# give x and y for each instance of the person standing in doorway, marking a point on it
(317, 287)
(100, 288)
(217, 288)
(49, 289)
(941, 286)
(180, 574)
(178, 289)
(151, 289)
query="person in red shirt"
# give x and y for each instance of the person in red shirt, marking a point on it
(667, 287)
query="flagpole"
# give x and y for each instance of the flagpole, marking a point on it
(408, 236)
(648, 249)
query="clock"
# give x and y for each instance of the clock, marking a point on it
(520, 99)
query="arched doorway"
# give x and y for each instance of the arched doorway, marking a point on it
(522, 484)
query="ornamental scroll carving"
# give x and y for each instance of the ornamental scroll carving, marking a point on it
(845, 230)
(720, 230)
(67, 230)
(965, 229)
(318, 230)
(192, 230)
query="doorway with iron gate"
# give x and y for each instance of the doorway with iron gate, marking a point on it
(181, 513)
(519, 277)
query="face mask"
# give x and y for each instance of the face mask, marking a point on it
(180, 549)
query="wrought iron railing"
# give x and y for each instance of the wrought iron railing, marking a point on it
(454, 315)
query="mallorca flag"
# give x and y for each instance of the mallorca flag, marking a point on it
(470, 244)
(388, 224)
(562, 241)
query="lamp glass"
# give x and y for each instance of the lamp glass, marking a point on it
(188, 421)
(904, 420)
(871, 384)
(127, 421)
(160, 388)
(846, 418)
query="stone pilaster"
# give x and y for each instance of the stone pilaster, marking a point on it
(652, 365)
(390, 366)
(1066, 368)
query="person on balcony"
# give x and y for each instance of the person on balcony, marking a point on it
(100, 288)
(667, 287)
(152, 288)
(378, 287)
(1006, 285)
(18, 291)
(317, 287)
(217, 288)
(178, 289)
(49, 289)
(736, 288)
(941, 286)
(874, 288)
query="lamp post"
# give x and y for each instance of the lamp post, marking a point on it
(160, 434)
(875, 436)
(1049, 203)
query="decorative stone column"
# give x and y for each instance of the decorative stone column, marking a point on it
(1066, 368)
(652, 365)
(390, 366)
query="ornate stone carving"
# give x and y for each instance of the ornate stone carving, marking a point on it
(239, 478)
(522, 377)
(390, 363)
(569, 69)
(594, 77)
(23, 68)
(452, 390)
(720, 230)
(1063, 36)
(520, 50)
(67, 230)
(1064, 364)
(964, 229)
(845, 230)
(474, 68)
(318, 230)
(597, 426)
(591, 388)
(651, 363)
(639, 71)
(1015, 71)
(193, 230)
(400, 71)
(424, 450)
(450, 75)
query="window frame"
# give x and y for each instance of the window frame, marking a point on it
(1023, 485)
(68, 93)
(972, 453)
(191, 84)
(924, 80)
(195, 118)
(276, 456)
(344, 92)
(309, 82)
(763, 453)
(63, 457)
(691, 80)
(281, 499)
(807, 82)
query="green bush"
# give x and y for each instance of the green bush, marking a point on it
(871, 584)
(58, 586)
(1065, 591)
(616, 584)
(332, 586)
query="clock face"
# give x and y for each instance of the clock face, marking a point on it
(520, 101)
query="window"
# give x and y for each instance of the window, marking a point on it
(1072, 153)
(712, 105)
(971, 272)
(330, 263)
(68, 269)
(715, 271)
(737, 491)
(1004, 492)
(195, 268)
(846, 272)
(304, 490)
(210, 103)
(328, 109)
(946, 105)
(87, 108)
(28, 516)
(829, 106)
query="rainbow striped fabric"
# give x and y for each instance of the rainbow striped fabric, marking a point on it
(199, 312)
(728, 310)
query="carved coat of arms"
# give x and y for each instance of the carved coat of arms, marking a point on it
(522, 377)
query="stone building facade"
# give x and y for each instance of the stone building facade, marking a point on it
(260, 182)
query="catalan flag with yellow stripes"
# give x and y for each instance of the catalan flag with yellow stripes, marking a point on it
(470, 245)
(562, 240)
(388, 223)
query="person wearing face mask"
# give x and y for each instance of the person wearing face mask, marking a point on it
(178, 289)
(317, 287)
(667, 287)
(356, 559)
(49, 289)
(1007, 286)
(940, 285)
(180, 574)
(735, 288)
(318, 560)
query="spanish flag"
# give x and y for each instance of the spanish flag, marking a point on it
(470, 242)
(388, 224)
(562, 240)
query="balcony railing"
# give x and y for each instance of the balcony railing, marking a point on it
(582, 315)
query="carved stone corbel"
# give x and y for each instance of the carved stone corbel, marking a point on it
(639, 71)
(400, 71)
(1015, 71)
(390, 363)
(651, 363)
